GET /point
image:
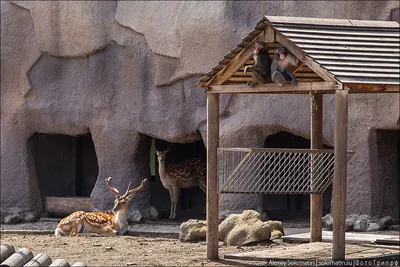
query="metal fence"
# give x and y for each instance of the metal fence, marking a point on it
(275, 170)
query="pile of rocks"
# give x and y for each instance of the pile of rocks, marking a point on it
(360, 223)
(235, 230)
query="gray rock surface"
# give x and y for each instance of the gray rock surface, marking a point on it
(193, 231)
(350, 221)
(360, 222)
(124, 72)
(373, 226)
(385, 222)
(153, 213)
(360, 225)
(327, 222)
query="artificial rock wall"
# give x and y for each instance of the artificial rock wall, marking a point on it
(124, 70)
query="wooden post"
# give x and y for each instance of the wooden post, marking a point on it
(340, 173)
(212, 179)
(316, 203)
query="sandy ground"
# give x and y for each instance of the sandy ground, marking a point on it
(149, 244)
(153, 244)
(128, 250)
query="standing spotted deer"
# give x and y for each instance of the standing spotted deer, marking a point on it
(107, 223)
(183, 175)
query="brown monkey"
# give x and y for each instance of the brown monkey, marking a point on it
(281, 74)
(261, 69)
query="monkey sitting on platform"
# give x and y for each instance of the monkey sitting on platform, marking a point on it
(261, 69)
(281, 73)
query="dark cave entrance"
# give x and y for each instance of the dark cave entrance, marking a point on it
(192, 201)
(291, 206)
(66, 166)
(385, 166)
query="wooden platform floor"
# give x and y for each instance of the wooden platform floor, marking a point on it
(320, 251)
(350, 238)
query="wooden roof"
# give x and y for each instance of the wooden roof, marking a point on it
(359, 55)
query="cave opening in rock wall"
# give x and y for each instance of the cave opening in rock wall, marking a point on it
(192, 201)
(66, 166)
(385, 166)
(291, 206)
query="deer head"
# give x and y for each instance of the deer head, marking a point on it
(121, 202)
(161, 155)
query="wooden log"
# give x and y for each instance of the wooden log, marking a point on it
(19, 258)
(6, 250)
(212, 178)
(316, 143)
(41, 259)
(340, 173)
(64, 206)
(59, 263)
(78, 264)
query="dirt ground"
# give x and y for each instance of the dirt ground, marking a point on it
(128, 250)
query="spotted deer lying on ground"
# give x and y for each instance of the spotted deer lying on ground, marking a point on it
(183, 175)
(107, 223)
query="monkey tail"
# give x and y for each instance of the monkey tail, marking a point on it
(247, 69)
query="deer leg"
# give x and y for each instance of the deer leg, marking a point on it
(202, 186)
(74, 230)
(176, 197)
(109, 231)
(171, 196)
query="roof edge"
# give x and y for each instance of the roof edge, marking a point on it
(333, 22)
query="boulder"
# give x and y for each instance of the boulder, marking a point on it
(247, 227)
(384, 222)
(364, 217)
(193, 230)
(373, 226)
(350, 221)
(225, 213)
(276, 234)
(327, 221)
(360, 225)
(153, 213)
(136, 216)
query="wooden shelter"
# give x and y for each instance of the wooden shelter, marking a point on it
(338, 57)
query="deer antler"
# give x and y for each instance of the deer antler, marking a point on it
(112, 189)
(134, 190)
(127, 190)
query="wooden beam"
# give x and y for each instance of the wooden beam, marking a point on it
(301, 66)
(301, 87)
(235, 64)
(303, 57)
(212, 178)
(373, 88)
(316, 203)
(269, 34)
(340, 175)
